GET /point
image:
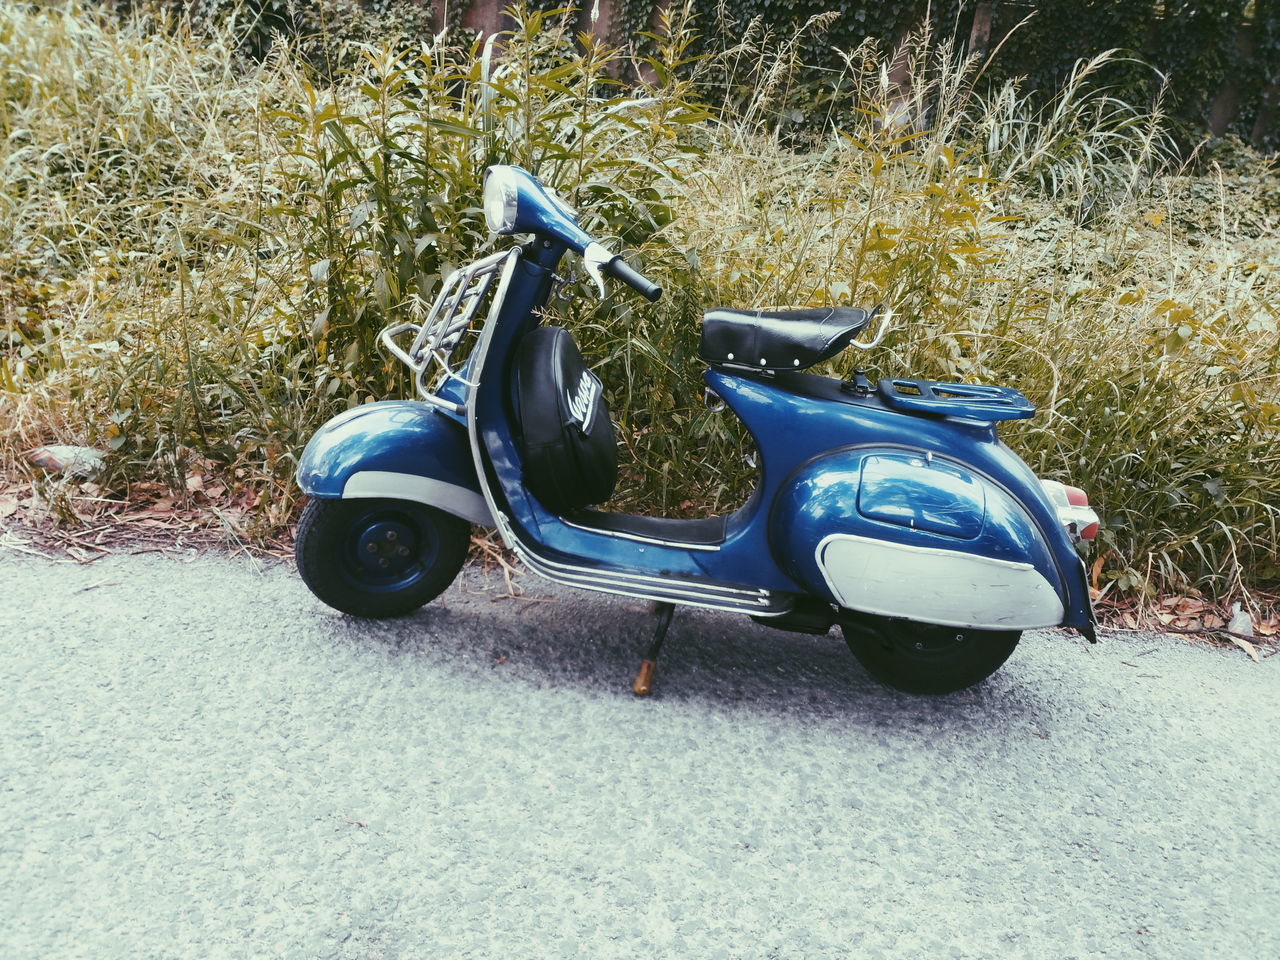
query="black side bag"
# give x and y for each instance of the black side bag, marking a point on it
(570, 455)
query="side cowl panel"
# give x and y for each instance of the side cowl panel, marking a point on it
(897, 533)
(401, 449)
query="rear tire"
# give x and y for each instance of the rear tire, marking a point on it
(925, 658)
(378, 557)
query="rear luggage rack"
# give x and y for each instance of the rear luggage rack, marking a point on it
(972, 400)
(436, 338)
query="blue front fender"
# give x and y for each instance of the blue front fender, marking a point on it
(402, 449)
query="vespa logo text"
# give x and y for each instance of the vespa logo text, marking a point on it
(582, 404)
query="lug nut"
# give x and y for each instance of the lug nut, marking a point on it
(959, 638)
(919, 646)
(382, 561)
(372, 548)
(402, 551)
(391, 534)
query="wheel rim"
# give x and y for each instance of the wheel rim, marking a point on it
(925, 644)
(387, 550)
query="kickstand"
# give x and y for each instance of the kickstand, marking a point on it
(644, 679)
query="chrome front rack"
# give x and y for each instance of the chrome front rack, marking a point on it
(435, 340)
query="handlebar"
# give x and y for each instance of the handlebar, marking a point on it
(600, 260)
(619, 269)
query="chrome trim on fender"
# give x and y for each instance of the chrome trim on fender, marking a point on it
(932, 585)
(448, 497)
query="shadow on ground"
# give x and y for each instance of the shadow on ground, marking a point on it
(592, 643)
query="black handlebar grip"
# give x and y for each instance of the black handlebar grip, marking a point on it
(619, 270)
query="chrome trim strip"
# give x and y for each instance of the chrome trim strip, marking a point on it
(623, 535)
(574, 569)
(448, 497)
(758, 603)
(479, 354)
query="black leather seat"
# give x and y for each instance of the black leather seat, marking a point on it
(781, 339)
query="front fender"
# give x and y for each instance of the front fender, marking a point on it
(897, 533)
(402, 449)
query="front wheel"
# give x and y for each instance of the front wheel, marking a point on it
(378, 557)
(925, 658)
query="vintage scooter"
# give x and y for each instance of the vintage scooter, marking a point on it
(889, 508)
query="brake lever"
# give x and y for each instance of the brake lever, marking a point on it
(594, 259)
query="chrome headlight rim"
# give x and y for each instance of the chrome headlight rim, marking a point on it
(501, 199)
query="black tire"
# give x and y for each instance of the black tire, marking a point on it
(926, 658)
(378, 557)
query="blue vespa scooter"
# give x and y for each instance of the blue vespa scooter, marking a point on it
(889, 508)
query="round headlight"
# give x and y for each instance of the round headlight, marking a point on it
(500, 199)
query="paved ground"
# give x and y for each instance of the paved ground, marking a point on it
(199, 760)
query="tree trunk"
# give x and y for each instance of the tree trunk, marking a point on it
(1264, 120)
(1223, 109)
(980, 34)
(1267, 17)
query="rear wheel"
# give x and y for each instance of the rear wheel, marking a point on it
(378, 557)
(925, 658)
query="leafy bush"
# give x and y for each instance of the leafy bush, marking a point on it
(196, 257)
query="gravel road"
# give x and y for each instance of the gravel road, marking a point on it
(200, 760)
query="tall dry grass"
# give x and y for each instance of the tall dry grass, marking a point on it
(196, 255)
(1048, 246)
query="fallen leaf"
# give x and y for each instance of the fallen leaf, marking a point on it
(1247, 647)
(195, 483)
(80, 461)
(8, 506)
(1190, 606)
(1097, 569)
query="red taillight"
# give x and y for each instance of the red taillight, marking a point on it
(1072, 504)
(1078, 498)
